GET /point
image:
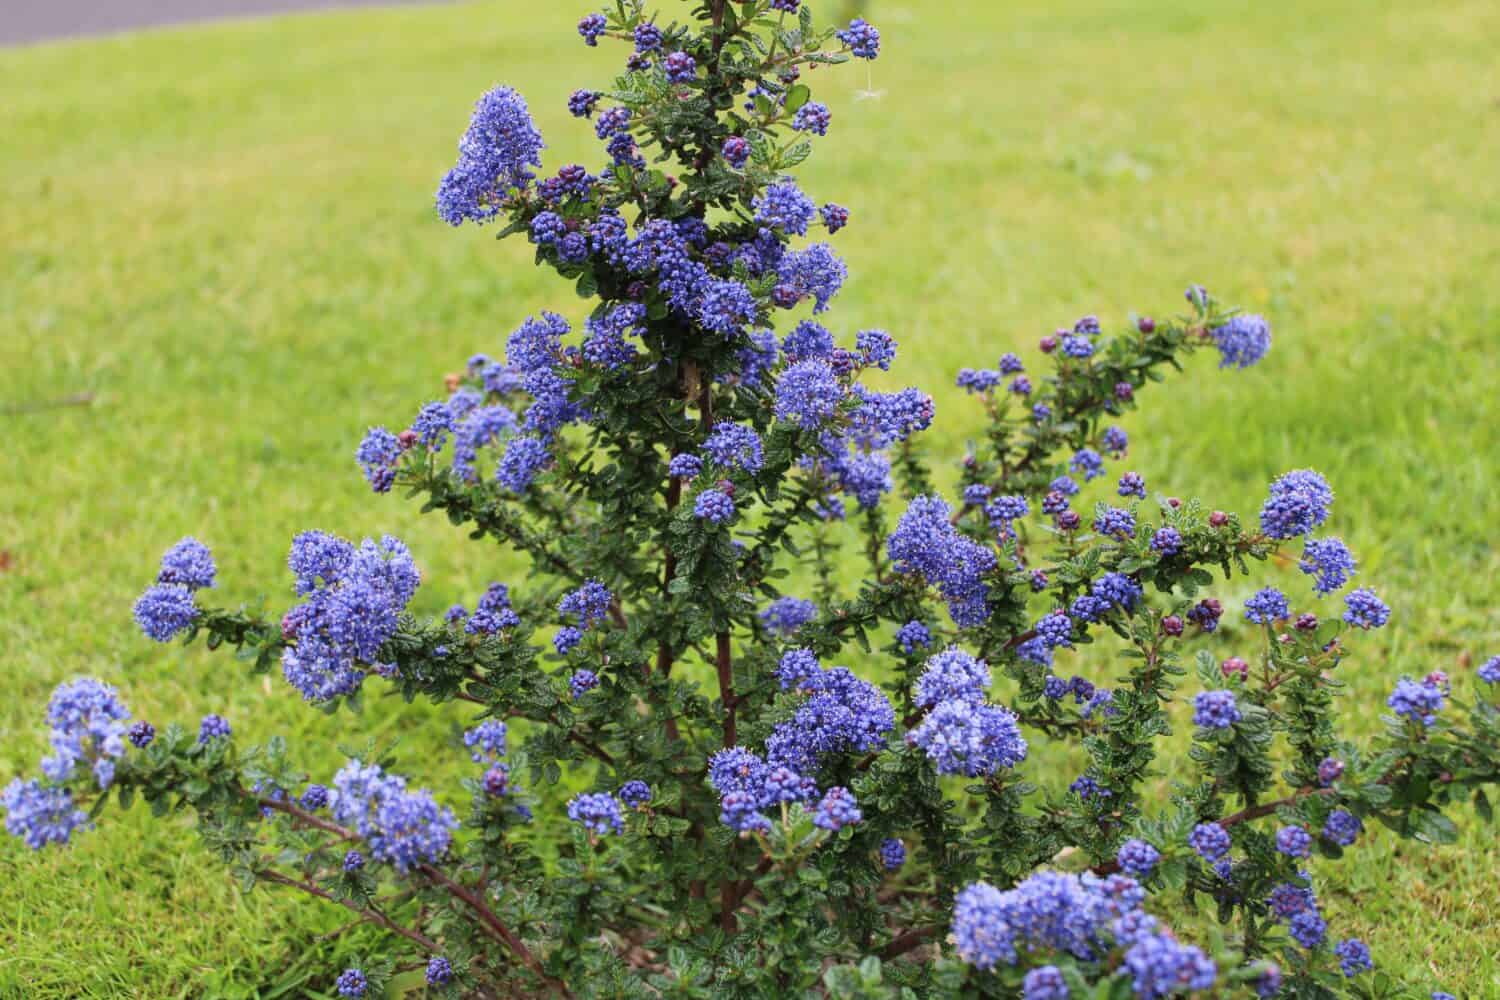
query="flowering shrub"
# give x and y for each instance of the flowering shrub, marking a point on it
(832, 790)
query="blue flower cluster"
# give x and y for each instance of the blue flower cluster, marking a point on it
(403, 827)
(40, 814)
(1210, 841)
(1328, 561)
(167, 608)
(785, 615)
(354, 600)
(1299, 502)
(1215, 710)
(86, 719)
(1364, 609)
(1077, 915)
(495, 155)
(926, 543)
(842, 714)
(1242, 341)
(1419, 701)
(598, 812)
(486, 741)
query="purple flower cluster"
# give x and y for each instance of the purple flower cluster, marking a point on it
(1267, 606)
(1210, 841)
(597, 812)
(842, 714)
(785, 615)
(403, 827)
(1293, 841)
(1419, 701)
(925, 543)
(167, 608)
(808, 394)
(40, 814)
(354, 598)
(1342, 827)
(952, 674)
(1328, 561)
(1074, 914)
(892, 854)
(1215, 710)
(1242, 341)
(1299, 502)
(969, 738)
(1363, 609)
(1137, 858)
(495, 155)
(486, 741)
(914, 635)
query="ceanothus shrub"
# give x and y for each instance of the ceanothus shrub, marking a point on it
(787, 783)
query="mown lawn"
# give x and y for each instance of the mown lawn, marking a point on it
(225, 233)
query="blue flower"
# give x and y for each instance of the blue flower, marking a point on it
(862, 38)
(1215, 710)
(188, 563)
(714, 506)
(403, 827)
(1364, 609)
(1417, 701)
(582, 682)
(1342, 827)
(597, 812)
(1293, 841)
(815, 272)
(812, 117)
(1045, 982)
(1299, 502)
(735, 446)
(796, 666)
(352, 983)
(952, 675)
(486, 741)
(1209, 840)
(808, 394)
(1328, 561)
(961, 737)
(635, 794)
(892, 854)
(1267, 606)
(1086, 463)
(439, 972)
(1137, 858)
(213, 727)
(495, 153)
(1242, 341)
(786, 615)
(785, 206)
(925, 543)
(837, 810)
(914, 635)
(40, 814)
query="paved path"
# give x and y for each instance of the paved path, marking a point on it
(35, 20)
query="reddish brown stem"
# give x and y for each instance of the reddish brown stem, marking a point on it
(371, 915)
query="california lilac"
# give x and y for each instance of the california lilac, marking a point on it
(735, 446)
(188, 563)
(1045, 983)
(213, 727)
(786, 615)
(494, 156)
(582, 682)
(807, 394)
(892, 854)
(1299, 502)
(486, 741)
(862, 38)
(439, 972)
(1267, 606)
(925, 543)
(1166, 541)
(1308, 929)
(635, 794)
(40, 814)
(797, 665)
(714, 506)
(1354, 957)
(1328, 561)
(403, 827)
(1215, 710)
(1132, 485)
(596, 812)
(1159, 966)
(1243, 341)
(142, 734)
(1363, 609)
(837, 809)
(1086, 463)
(352, 983)
(1419, 701)
(165, 610)
(1293, 841)
(1210, 840)
(1137, 858)
(952, 675)
(913, 636)
(784, 206)
(1342, 827)
(962, 737)
(1489, 672)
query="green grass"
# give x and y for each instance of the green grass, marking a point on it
(225, 233)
